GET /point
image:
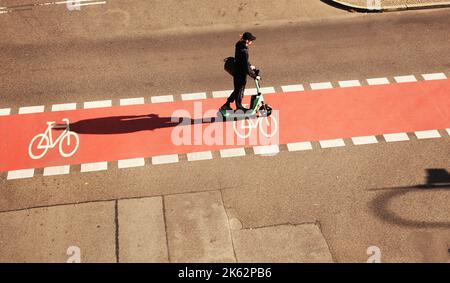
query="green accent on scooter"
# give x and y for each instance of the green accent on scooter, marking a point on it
(256, 102)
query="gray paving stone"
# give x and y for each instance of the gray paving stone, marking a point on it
(283, 243)
(197, 228)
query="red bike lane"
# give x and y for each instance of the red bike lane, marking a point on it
(147, 130)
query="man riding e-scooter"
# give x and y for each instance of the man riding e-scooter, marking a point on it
(242, 69)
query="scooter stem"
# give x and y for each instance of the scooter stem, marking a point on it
(257, 87)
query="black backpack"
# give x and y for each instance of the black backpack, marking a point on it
(230, 65)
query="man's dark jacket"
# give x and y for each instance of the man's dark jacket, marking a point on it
(242, 64)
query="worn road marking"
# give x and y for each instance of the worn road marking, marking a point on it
(364, 140)
(299, 146)
(97, 104)
(332, 143)
(396, 137)
(232, 152)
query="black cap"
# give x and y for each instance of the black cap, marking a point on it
(248, 36)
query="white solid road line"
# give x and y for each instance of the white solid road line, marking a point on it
(162, 98)
(266, 149)
(232, 152)
(364, 140)
(221, 93)
(292, 88)
(165, 159)
(5, 111)
(129, 163)
(197, 156)
(65, 2)
(332, 143)
(132, 101)
(378, 81)
(193, 96)
(324, 85)
(97, 104)
(299, 146)
(64, 107)
(263, 90)
(20, 174)
(405, 79)
(96, 166)
(351, 83)
(396, 137)
(31, 109)
(56, 170)
(92, 3)
(434, 76)
(431, 134)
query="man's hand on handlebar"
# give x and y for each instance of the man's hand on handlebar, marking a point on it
(257, 77)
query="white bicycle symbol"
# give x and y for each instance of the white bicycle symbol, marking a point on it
(41, 143)
(265, 123)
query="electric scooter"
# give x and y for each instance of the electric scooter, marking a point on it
(258, 108)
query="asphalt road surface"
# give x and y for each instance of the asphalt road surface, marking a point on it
(393, 195)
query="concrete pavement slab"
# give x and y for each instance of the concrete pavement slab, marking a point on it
(281, 244)
(58, 233)
(197, 228)
(142, 231)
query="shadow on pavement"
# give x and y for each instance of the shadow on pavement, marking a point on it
(128, 124)
(135, 123)
(437, 180)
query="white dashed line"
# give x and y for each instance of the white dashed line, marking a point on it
(64, 107)
(405, 79)
(162, 98)
(364, 140)
(91, 167)
(396, 137)
(351, 83)
(20, 174)
(193, 96)
(427, 134)
(97, 104)
(378, 81)
(197, 156)
(324, 85)
(232, 152)
(299, 146)
(132, 101)
(266, 149)
(448, 131)
(56, 170)
(263, 90)
(332, 143)
(31, 109)
(165, 159)
(5, 111)
(292, 88)
(221, 94)
(133, 162)
(434, 76)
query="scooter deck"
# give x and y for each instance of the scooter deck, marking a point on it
(237, 114)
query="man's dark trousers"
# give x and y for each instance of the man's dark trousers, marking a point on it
(238, 92)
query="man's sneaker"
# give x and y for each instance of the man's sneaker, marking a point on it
(226, 107)
(242, 108)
